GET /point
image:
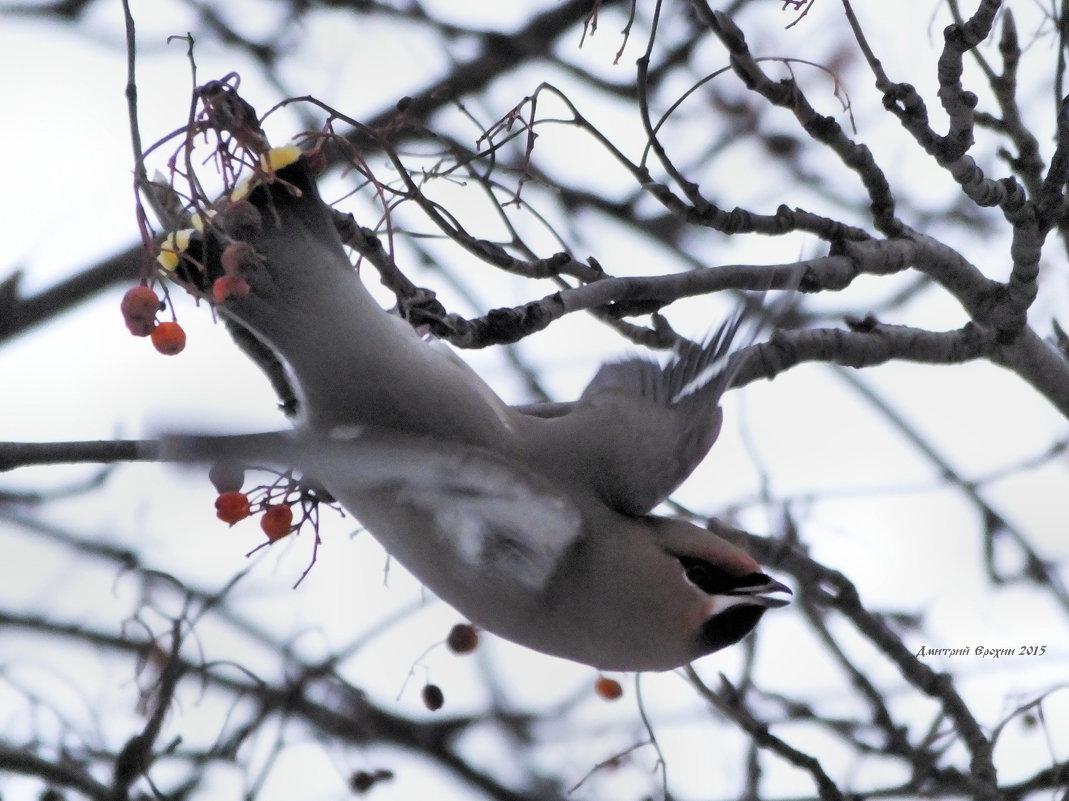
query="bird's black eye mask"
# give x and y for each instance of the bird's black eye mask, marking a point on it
(714, 580)
(731, 625)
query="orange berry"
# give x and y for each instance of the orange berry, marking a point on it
(277, 521)
(230, 507)
(169, 338)
(463, 638)
(229, 288)
(139, 307)
(433, 697)
(607, 688)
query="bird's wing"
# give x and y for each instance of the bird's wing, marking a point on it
(640, 427)
(451, 513)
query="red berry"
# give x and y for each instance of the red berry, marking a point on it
(433, 697)
(169, 338)
(139, 307)
(607, 688)
(230, 507)
(227, 287)
(277, 521)
(463, 638)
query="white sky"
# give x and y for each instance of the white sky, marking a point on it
(67, 168)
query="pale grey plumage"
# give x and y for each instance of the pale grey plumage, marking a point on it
(532, 522)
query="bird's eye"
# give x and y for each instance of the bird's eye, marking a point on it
(714, 580)
(705, 576)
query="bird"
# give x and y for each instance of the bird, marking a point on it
(535, 522)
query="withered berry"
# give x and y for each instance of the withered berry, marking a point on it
(139, 307)
(238, 259)
(239, 219)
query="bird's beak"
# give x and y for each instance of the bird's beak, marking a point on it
(757, 594)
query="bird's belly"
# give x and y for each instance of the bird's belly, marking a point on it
(489, 573)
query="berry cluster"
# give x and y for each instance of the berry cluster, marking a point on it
(139, 307)
(463, 638)
(212, 259)
(233, 505)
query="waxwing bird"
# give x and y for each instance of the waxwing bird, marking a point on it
(534, 522)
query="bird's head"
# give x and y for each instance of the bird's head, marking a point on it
(651, 593)
(724, 587)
